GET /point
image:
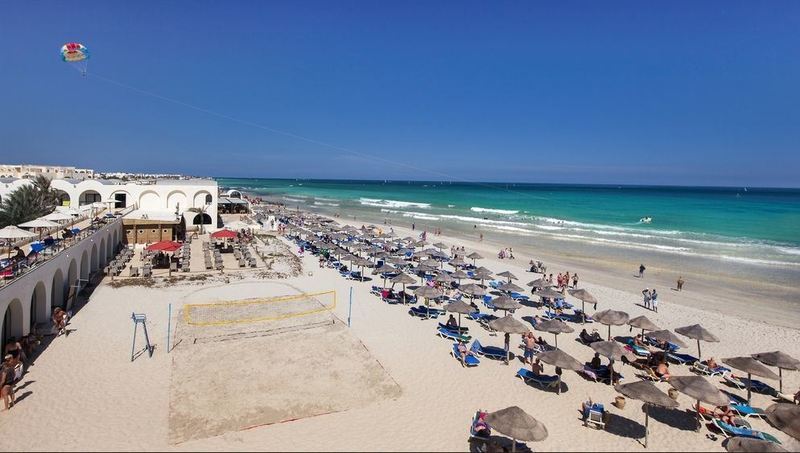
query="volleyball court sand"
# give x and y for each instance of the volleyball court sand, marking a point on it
(237, 376)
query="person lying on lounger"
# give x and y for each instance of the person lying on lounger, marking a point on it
(595, 363)
(480, 427)
(662, 370)
(589, 338)
(463, 352)
(536, 367)
(711, 363)
(725, 414)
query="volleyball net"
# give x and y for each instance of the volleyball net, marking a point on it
(259, 310)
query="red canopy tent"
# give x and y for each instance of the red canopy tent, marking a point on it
(224, 234)
(164, 246)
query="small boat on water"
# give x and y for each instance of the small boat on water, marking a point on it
(646, 220)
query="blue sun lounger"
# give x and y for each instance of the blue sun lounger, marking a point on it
(493, 352)
(451, 335)
(519, 296)
(734, 431)
(541, 380)
(702, 368)
(469, 361)
(755, 385)
(747, 411)
(423, 312)
(462, 330)
(682, 359)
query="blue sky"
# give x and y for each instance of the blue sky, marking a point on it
(628, 92)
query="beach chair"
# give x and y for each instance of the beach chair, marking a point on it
(492, 352)
(487, 302)
(469, 361)
(134, 272)
(734, 431)
(707, 415)
(461, 330)
(553, 315)
(755, 385)
(147, 271)
(649, 374)
(594, 416)
(702, 368)
(376, 290)
(519, 296)
(424, 312)
(452, 335)
(681, 359)
(638, 350)
(543, 381)
(747, 411)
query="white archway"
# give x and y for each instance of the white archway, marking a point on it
(150, 201)
(177, 201)
(57, 298)
(39, 306)
(12, 321)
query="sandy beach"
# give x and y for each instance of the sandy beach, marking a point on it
(84, 393)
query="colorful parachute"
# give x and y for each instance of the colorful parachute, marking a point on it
(77, 54)
(73, 51)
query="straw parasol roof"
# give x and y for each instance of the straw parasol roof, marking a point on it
(699, 333)
(12, 232)
(510, 287)
(785, 417)
(612, 350)
(473, 289)
(428, 292)
(459, 307)
(751, 445)
(750, 366)
(457, 261)
(668, 336)
(459, 274)
(508, 275)
(384, 269)
(561, 359)
(508, 324)
(403, 278)
(648, 393)
(539, 283)
(439, 245)
(698, 388)
(474, 256)
(554, 326)
(778, 359)
(483, 270)
(517, 424)
(644, 323)
(444, 277)
(549, 293)
(611, 318)
(583, 295)
(505, 303)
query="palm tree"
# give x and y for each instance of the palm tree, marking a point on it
(201, 213)
(28, 202)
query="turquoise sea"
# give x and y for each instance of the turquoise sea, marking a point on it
(757, 226)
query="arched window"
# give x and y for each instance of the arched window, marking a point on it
(209, 199)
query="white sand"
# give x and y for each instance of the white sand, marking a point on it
(84, 393)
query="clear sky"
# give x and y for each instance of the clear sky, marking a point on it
(625, 92)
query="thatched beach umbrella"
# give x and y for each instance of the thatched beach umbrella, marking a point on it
(439, 245)
(385, 269)
(699, 389)
(403, 279)
(473, 290)
(644, 323)
(649, 394)
(508, 275)
(457, 261)
(459, 307)
(750, 366)
(584, 296)
(517, 424)
(554, 326)
(785, 417)
(549, 293)
(443, 277)
(561, 359)
(458, 275)
(612, 350)
(508, 325)
(474, 256)
(611, 318)
(506, 303)
(509, 288)
(698, 332)
(780, 360)
(751, 445)
(539, 283)
(668, 336)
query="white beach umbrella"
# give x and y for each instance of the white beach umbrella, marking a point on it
(39, 223)
(57, 216)
(12, 232)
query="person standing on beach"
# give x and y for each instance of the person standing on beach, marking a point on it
(641, 270)
(680, 283)
(646, 298)
(413, 226)
(575, 281)
(654, 300)
(481, 238)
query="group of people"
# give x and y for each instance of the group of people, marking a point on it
(650, 299)
(506, 253)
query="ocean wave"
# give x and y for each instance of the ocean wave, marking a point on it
(421, 216)
(296, 200)
(320, 203)
(481, 221)
(493, 211)
(381, 203)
